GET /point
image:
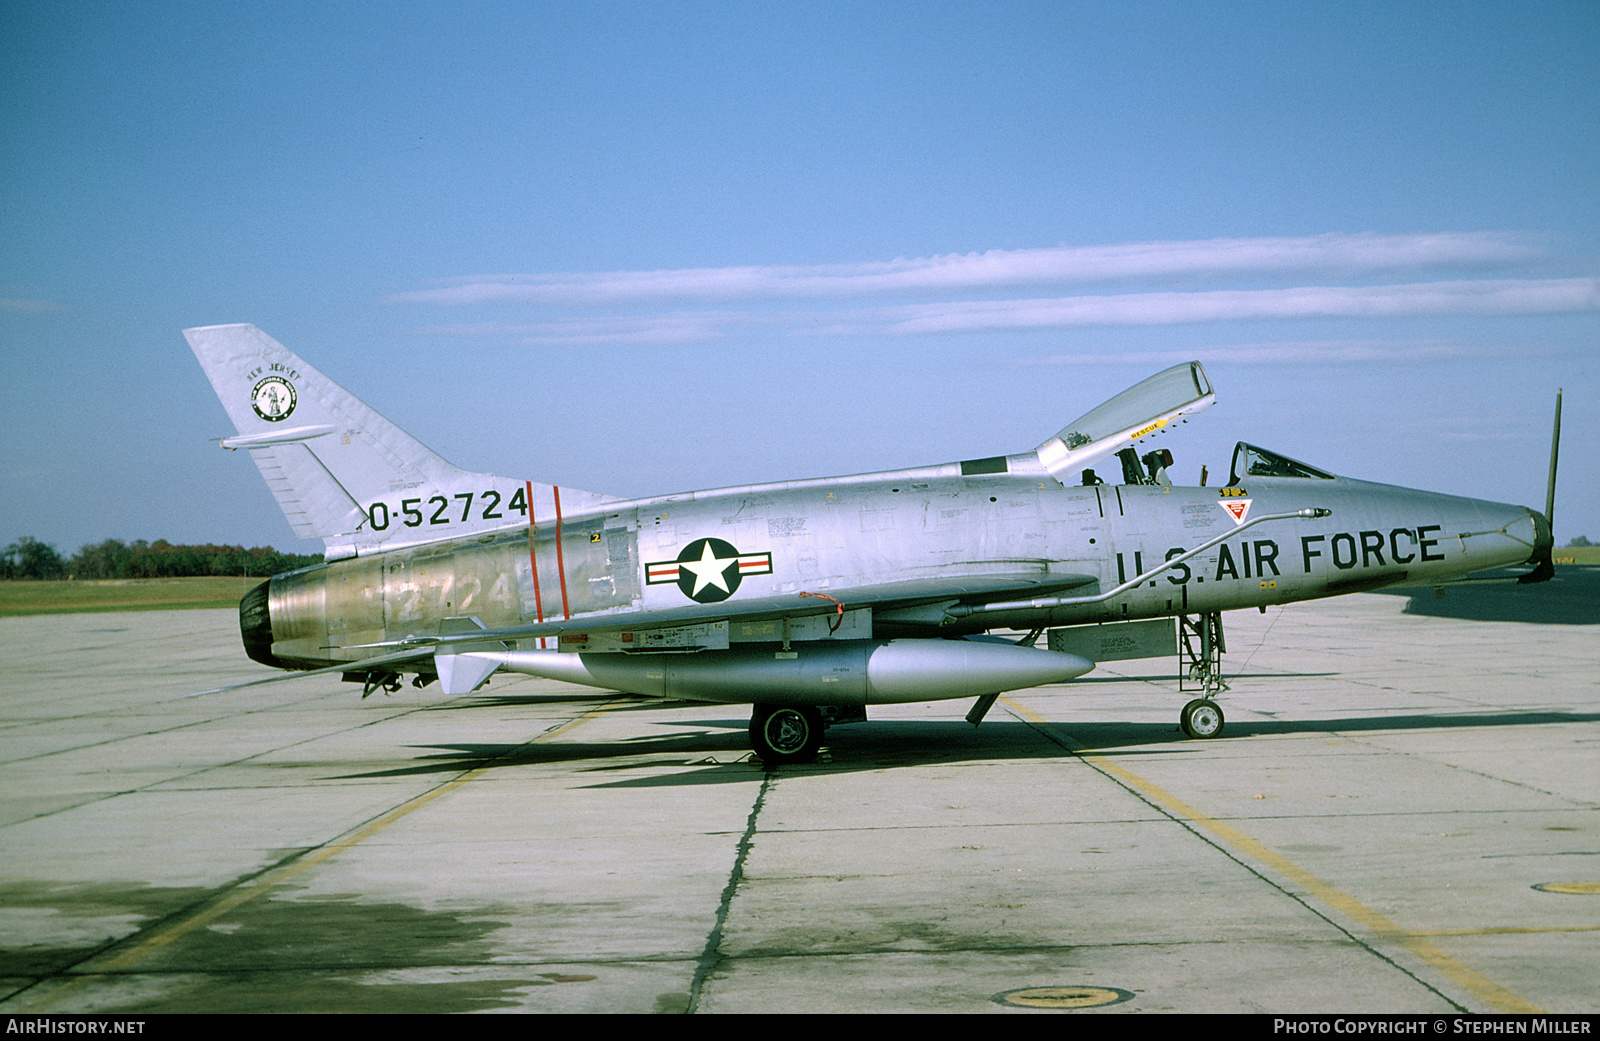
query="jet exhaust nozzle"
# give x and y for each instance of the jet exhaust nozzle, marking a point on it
(255, 626)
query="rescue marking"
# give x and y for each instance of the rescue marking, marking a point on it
(1238, 509)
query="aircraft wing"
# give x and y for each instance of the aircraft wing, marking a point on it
(1143, 409)
(443, 648)
(889, 596)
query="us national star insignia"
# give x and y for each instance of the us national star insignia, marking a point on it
(708, 570)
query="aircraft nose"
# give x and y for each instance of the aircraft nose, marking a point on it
(1524, 526)
(1543, 539)
(1543, 543)
(1496, 534)
(1528, 527)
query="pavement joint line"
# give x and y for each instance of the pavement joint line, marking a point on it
(162, 731)
(1500, 998)
(711, 957)
(166, 935)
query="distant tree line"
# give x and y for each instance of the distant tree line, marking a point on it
(29, 558)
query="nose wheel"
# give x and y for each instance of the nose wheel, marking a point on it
(1202, 717)
(783, 734)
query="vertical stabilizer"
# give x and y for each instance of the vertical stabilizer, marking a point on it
(339, 470)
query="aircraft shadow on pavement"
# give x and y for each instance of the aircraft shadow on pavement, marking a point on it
(718, 750)
(1572, 597)
(1165, 678)
(615, 701)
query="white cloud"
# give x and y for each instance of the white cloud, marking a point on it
(1343, 254)
(1297, 352)
(956, 293)
(1503, 296)
(673, 327)
(1481, 297)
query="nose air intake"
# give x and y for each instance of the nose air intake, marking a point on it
(1543, 543)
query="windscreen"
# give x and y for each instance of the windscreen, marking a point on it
(1250, 461)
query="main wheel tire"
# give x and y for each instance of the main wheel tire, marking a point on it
(785, 735)
(1202, 718)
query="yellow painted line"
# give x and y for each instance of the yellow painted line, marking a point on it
(1508, 930)
(1480, 986)
(175, 931)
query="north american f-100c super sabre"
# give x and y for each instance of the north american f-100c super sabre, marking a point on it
(809, 600)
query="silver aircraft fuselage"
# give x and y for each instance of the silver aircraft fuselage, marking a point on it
(892, 529)
(807, 599)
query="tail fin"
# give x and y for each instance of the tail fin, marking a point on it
(342, 472)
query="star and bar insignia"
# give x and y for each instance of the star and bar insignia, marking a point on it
(708, 570)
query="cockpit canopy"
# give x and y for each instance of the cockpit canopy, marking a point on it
(1146, 408)
(1250, 461)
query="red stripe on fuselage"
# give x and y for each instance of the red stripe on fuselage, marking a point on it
(533, 554)
(561, 557)
(533, 558)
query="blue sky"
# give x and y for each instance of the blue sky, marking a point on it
(641, 248)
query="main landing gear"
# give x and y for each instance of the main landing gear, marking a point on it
(781, 734)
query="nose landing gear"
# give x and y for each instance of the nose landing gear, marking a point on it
(1202, 717)
(1200, 648)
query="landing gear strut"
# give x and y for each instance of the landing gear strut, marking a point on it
(388, 682)
(781, 734)
(1200, 647)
